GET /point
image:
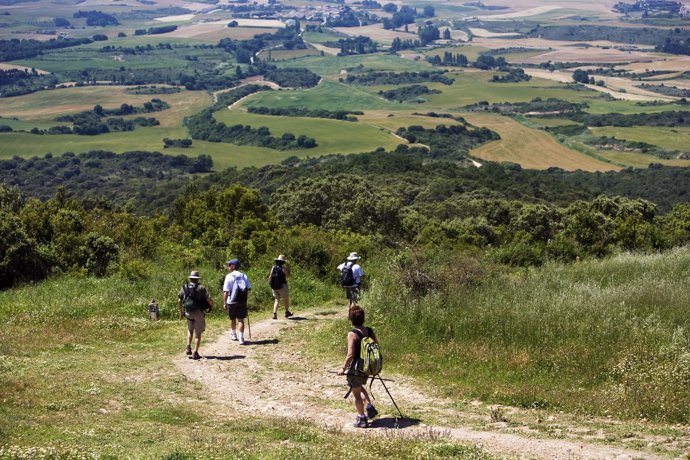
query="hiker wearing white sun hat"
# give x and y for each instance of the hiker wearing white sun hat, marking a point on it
(351, 274)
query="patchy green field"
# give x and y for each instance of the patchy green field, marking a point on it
(668, 138)
(332, 136)
(332, 65)
(472, 86)
(327, 95)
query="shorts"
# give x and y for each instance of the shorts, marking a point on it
(281, 293)
(352, 293)
(356, 380)
(196, 322)
(237, 310)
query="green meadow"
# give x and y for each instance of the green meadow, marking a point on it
(669, 138)
(472, 86)
(332, 136)
(332, 65)
(328, 95)
(563, 342)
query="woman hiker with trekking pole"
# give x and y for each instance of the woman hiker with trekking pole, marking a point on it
(355, 379)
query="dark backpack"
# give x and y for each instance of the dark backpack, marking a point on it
(192, 301)
(347, 277)
(242, 291)
(277, 278)
(189, 298)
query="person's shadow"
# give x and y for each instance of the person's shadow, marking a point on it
(261, 342)
(225, 358)
(394, 422)
(296, 318)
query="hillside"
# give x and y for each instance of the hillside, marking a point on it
(515, 176)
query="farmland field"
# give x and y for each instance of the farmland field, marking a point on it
(529, 148)
(677, 138)
(332, 136)
(46, 105)
(472, 86)
(332, 65)
(327, 95)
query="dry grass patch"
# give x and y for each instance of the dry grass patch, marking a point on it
(213, 31)
(46, 105)
(377, 33)
(530, 148)
(660, 62)
(5, 66)
(603, 6)
(394, 120)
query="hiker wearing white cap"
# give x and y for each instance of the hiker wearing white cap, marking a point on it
(277, 279)
(351, 274)
(194, 301)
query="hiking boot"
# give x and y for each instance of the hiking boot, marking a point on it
(188, 351)
(288, 313)
(275, 316)
(371, 411)
(361, 422)
(241, 340)
(233, 336)
(196, 355)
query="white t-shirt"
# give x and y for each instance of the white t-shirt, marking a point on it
(234, 281)
(357, 271)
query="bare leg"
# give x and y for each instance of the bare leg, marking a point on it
(241, 321)
(365, 396)
(197, 342)
(275, 307)
(359, 404)
(287, 303)
(189, 338)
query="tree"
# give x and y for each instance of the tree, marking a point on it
(428, 34)
(99, 252)
(429, 11)
(581, 76)
(390, 8)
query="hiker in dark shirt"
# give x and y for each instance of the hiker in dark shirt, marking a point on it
(196, 317)
(355, 379)
(351, 274)
(277, 279)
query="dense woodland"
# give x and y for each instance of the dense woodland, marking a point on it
(519, 217)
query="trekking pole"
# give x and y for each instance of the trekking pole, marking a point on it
(335, 372)
(389, 395)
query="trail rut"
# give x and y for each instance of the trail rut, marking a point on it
(267, 377)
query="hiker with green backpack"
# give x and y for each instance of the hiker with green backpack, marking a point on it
(363, 359)
(194, 301)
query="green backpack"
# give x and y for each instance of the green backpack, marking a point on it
(189, 301)
(369, 361)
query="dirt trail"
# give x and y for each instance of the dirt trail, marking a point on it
(268, 378)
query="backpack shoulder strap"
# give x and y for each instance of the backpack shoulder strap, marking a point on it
(358, 333)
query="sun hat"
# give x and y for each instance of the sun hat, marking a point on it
(281, 258)
(194, 275)
(353, 256)
(234, 262)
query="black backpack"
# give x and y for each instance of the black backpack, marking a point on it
(191, 300)
(277, 277)
(347, 277)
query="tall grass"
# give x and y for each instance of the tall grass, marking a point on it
(598, 337)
